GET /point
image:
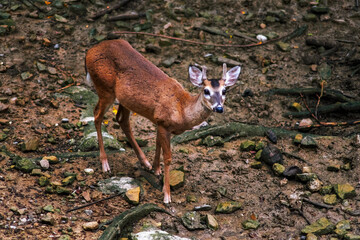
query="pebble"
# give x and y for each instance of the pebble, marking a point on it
(228, 207)
(204, 207)
(344, 191)
(90, 226)
(44, 163)
(89, 171)
(211, 222)
(133, 196)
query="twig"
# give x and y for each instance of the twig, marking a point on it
(319, 97)
(92, 203)
(317, 204)
(116, 33)
(110, 9)
(307, 107)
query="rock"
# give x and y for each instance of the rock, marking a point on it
(155, 234)
(310, 17)
(177, 179)
(228, 61)
(30, 145)
(250, 224)
(256, 164)
(330, 199)
(62, 191)
(260, 145)
(296, 107)
(271, 154)
(308, 141)
(68, 180)
(271, 136)
(26, 76)
(342, 227)
(169, 61)
(133, 196)
(350, 236)
(228, 207)
(48, 208)
(59, 18)
(247, 145)
(346, 167)
(25, 165)
(306, 122)
(311, 236)
(324, 71)
(89, 171)
(326, 189)
(192, 221)
(191, 198)
(314, 185)
(298, 138)
(90, 226)
(305, 177)
(284, 47)
(291, 172)
(211, 141)
(43, 181)
(205, 207)
(320, 9)
(36, 172)
(4, 15)
(48, 219)
(41, 67)
(52, 70)
(320, 227)
(117, 185)
(44, 163)
(211, 222)
(333, 168)
(258, 155)
(51, 159)
(344, 191)
(278, 169)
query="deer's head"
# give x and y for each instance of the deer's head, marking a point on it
(214, 90)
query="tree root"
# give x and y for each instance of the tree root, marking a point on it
(129, 217)
(231, 131)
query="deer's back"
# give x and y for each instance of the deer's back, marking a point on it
(118, 69)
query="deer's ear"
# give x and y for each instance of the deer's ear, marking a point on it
(195, 76)
(232, 76)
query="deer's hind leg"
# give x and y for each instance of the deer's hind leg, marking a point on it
(122, 117)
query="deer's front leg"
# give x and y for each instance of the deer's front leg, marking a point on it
(164, 139)
(156, 165)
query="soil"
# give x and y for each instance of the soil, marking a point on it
(34, 108)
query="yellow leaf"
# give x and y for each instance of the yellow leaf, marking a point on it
(106, 122)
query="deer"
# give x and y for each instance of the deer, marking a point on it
(119, 72)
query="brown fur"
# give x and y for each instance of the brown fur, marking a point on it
(119, 71)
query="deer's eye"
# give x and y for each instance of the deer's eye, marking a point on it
(224, 91)
(206, 92)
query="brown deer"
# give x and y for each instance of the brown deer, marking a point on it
(118, 71)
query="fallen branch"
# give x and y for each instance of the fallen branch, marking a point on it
(295, 33)
(334, 94)
(110, 9)
(294, 156)
(337, 107)
(129, 217)
(95, 202)
(329, 124)
(231, 131)
(317, 204)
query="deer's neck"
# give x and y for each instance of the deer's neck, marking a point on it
(197, 111)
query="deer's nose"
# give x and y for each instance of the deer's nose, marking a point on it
(219, 109)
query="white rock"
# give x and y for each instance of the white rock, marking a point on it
(44, 163)
(89, 171)
(261, 38)
(90, 226)
(154, 234)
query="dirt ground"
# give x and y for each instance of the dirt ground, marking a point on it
(33, 109)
